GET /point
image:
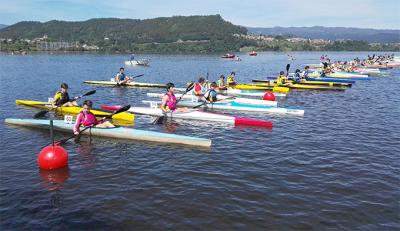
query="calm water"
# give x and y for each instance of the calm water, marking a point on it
(336, 168)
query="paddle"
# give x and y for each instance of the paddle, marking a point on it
(130, 78)
(124, 108)
(205, 102)
(42, 113)
(287, 69)
(160, 119)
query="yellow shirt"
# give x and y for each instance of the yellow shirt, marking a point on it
(280, 80)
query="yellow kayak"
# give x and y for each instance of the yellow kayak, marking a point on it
(289, 85)
(74, 110)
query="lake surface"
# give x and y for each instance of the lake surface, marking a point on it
(335, 168)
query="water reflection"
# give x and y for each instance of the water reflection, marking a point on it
(54, 179)
(84, 151)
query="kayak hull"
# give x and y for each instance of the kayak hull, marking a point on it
(309, 82)
(129, 84)
(74, 110)
(117, 132)
(197, 115)
(239, 107)
(235, 92)
(291, 85)
(223, 97)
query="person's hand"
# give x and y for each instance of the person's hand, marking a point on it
(76, 133)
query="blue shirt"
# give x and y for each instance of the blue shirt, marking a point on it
(122, 76)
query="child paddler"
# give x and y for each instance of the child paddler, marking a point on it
(231, 79)
(281, 80)
(86, 119)
(61, 98)
(211, 94)
(199, 87)
(221, 83)
(168, 102)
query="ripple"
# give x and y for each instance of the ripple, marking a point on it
(337, 167)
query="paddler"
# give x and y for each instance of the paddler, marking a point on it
(297, 78)
(61, 98)
(231, 79)
(281, 80)
(306, 72)
(221, 82)
(121, 77)
(211, 94)
(86, 119)
(199, 87)
(168, 102)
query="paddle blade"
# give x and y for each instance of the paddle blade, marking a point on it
(89, 93)
(40, 114)
(159, 120)
(124, 108)
(190, 87)
(287, 67)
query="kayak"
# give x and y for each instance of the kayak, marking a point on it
(334, 80)
(341, 75)
(319, 79)
(117, 132)
(233, 92)
(289, 85)
(74, 110)
(196, 115)
(307, 82)
(237, 106)
(222, 97)
(129, 84)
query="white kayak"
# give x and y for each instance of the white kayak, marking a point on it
(198, 115)
(117, 132)
(223, 97)
(236, 106)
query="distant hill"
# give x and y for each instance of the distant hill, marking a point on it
(2, 26)
(211, 32)
(332, 33)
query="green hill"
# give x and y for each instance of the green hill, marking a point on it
(179, 33)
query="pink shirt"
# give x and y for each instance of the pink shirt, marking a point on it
(85, 119)
(171, 102)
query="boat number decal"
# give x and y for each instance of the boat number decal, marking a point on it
(68, 119)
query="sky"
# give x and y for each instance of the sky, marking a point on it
(377, 14)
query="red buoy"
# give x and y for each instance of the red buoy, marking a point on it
(269, 96)
(52, 157)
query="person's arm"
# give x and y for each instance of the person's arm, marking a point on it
(117, 78)
(56, 98)
(78, 123)
(164, 103)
